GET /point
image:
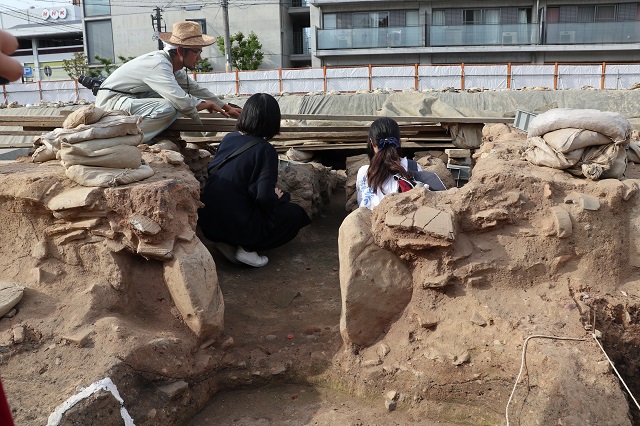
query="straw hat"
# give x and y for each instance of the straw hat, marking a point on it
(185, 34)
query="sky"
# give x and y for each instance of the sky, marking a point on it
(25, 4)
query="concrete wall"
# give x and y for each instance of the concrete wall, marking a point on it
(132, 31)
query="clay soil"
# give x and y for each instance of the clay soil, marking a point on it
(290, 310)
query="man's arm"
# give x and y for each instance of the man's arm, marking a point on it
(208, 97)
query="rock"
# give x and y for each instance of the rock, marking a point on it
(390, 405)
(10, 295)
(18, 333)
(461, 358)
(79, 339)
(477, 319)
(193, 283)
(383, 350)
(174, 389)
(375, 284)
(586, 202)
(561, 222)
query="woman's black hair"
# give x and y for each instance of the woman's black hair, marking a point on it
(386, 161)
(260, 116)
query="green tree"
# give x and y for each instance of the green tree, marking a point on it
(203, 65)
(246, 53)
(76, 66)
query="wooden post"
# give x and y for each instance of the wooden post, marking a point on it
(324, 78)
(509, 75)
(555, 77)
(237, 82)
(462, 76)
(40, 89)
(416, 77)
(370, 78)
(280, 79)
(604, 70)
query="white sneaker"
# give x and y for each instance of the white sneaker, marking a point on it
(228, 251)
(251, 258)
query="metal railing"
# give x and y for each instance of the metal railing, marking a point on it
(368, 38)
(483, 35)
(593, 32)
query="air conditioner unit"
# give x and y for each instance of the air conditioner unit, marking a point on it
(509, 38)
(567, 37)
(453, 36)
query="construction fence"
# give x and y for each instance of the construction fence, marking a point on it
(602, 76)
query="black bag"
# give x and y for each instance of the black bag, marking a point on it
(430, 179)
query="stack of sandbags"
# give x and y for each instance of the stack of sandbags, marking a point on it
(585, 142)
(96, 147)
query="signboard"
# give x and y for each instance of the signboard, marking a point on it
(27, 72)
(47, 70)
(54, 13)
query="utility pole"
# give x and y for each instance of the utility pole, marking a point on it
(227, 41)
(157, 27)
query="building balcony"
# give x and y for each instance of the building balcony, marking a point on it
(483, 35)
(593, 32)
(302, 43)
(369, 38)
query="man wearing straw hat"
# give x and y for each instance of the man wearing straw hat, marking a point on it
(157, 87)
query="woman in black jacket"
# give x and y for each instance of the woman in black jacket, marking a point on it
(243, 207)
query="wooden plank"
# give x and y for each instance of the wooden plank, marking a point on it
(399, 119)
(20, 132)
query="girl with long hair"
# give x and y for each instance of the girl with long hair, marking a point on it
(387, 165)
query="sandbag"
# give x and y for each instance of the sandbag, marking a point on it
(107, 177)
(569, 139)
(601, 162)
(96, 144)
(89, 115)
(107, 127)
(540, 153)
(465, 136)
(633, 153)
(120, 157)
(610, 124)
(42, 154)
(86, 115)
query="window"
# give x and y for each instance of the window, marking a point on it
(329, 21)
(202, 22)
(605, 13)
(585, 13)
(472, 16)
(99, 40)
(60, 41)
(412, 18)
(97, 7)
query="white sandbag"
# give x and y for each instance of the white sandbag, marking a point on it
(107, 127)
(565, 140)
(96, 144)
(107, 177)
(610, 124)
(42, 154)
(633, 152)
(120, 157)
(86, 115)
(539, 152)
(600, 162)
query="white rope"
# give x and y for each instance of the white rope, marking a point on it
(616, 371)
(523, 364)
(524, 361)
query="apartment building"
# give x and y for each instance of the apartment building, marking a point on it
(46, 36)
(357, 32)
(128, 28)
